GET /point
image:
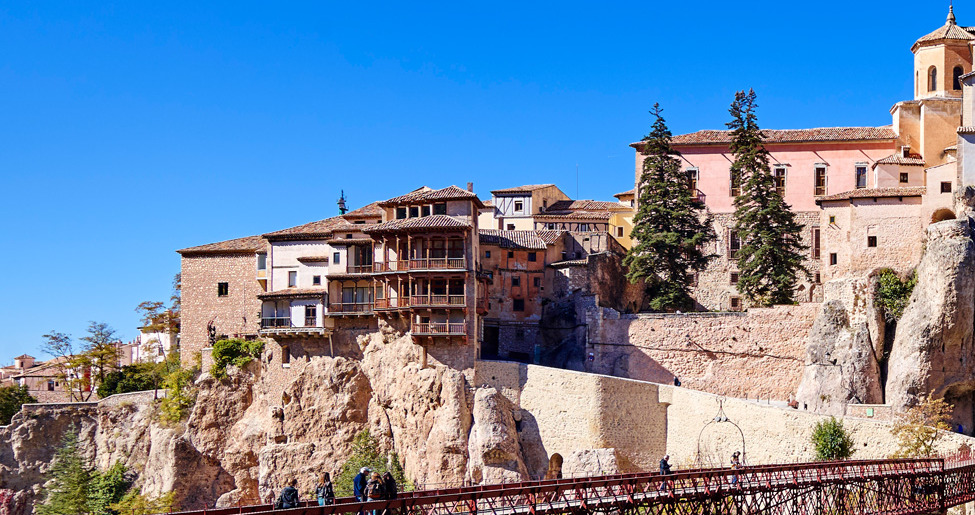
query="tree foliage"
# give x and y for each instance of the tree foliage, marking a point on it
(75, 488)
(771, 255)
(178, 382)
(133, 378)
(921, 426)
(366, 453)
(235, 352)
(135, 503)
(831, 441)
(893, 293)
(81, 372)
(11, 399)
(671, 228)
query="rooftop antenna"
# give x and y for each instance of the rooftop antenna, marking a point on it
(342, 208)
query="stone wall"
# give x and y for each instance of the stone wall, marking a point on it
(237, 313)
(754, 354)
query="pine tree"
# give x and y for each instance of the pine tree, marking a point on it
(771, 255)
(671, 227)
(67, 493)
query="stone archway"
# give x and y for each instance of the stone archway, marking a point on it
(554, 467)
(942, 215)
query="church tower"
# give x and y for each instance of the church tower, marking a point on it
(941, 58)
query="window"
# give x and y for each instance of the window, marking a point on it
(692, 174)
(903, 177)
(871, 241)
(262, 261)
(820, 180)
(511, 254)
(285, 355)
(515, 281)
(223, 289)
(832, 258)
(734, 244)
(425, 211)
(533, 256)
(832, 219)
(519, 206)
(336, 258)
(292, 279)
(818, 279)
(311, 316)
(734, 277)
(932, 79)
(735, 184)
(956, 78)
(544, 203)
(518, 305)
(551, 226)
(536, 281)
(50, 385)
(316, 280)
(861, 172)
(414, 212)
(780, 181)
(583, 227)
(619, 232)
(945, 187)
(511, 227)
(906, 151)
(735, 303)
(816, 249)
(400, 213)
(348, 236)
(440, 208)
(487, 253)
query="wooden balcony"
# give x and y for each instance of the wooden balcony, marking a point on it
(397, 303)
(420, 264)
(456, 301)
(359, 269)
(350, 308)
(438, 329)
(390, 266)
(282, 327)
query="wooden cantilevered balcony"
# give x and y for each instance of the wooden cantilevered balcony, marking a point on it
(438, 329)
(350, 309)
(359, 269)
(397, 303)
(449, 301)
(420, 264)
(284, 327)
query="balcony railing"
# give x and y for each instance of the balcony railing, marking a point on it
(400, 302)
(350, 307)
(359, 269)
(438, 300)
(438, 329)
(391, 266)
(420, 264)
(274, 322)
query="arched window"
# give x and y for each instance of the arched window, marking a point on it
(932, 79)
(956, 77)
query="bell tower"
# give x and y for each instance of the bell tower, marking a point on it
(941, 58)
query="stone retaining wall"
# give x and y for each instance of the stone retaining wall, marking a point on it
(143, 397)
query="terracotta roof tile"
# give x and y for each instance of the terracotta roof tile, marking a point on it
(966, 130)
(368, 211)
(723, 137)
(293, 293)
(569, 262)
(350, 241)
(550, 237)
(512, 239)
(237, 246)
(528, 188)
(914, 191)
(422, 223)
(627, 192)
(426, 194)
(947, 31)
(320, 229)
(897, 159)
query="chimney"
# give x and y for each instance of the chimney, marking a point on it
(470, 187)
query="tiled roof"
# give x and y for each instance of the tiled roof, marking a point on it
(24, 356)
(419, 224)
(966, 130)
(236, 246)
(723, 137)
(947, 31)
(512, 239)
(570, 262)
(550, 237)
(488, 203)
(582, 209)
(426, 194)
(368, 211)
(897, 159)
(312, 259)
(319, 229)
(914, 191)
(528, 188)
(349, 241)
(293, 293)
(953, 148)
(625, 193)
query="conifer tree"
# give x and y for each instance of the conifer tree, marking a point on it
(771, 255)
(671, 227)
(68, 491)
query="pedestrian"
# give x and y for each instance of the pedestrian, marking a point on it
(374, 490)
(389, 486)
(324, 490)
(359, 484)
(289, 496)
(735, 465)
(665, 465)
(269, 499)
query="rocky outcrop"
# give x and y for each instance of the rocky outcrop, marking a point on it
(593, 462)
(844, 349)
(494, 450)
(932, 350)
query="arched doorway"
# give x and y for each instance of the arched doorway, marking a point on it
(942, 215)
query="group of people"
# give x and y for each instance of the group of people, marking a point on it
(366, 486)
(735, 465)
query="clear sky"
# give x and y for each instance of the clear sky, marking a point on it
(128, 131)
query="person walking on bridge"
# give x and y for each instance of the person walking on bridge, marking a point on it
(735, 465)
(664, 471)
(289, 495)
(324, 491)
(359, 484)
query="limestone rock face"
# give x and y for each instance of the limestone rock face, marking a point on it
(592, 462)
(932, 350)
(843, 349)
(495, 454)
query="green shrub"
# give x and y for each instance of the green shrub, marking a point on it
(180, 394)
(365, 453)
(893, 293)
(11, 399)
(235, 352)
(132, 378)
(72, 487)
(831, 440)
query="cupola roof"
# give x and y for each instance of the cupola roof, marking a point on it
(950, 30)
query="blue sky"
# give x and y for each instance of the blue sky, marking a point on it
(128, 131)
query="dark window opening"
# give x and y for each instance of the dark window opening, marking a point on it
(871, 241)
(316, 280)
(536, 281)
(292, 279)
(400, 213)
(904, 177)
(414, 212)
(820, 188)
(532, 256)
(819, 278)
(511, 254)
(487, 253)
(734, 244)
(285, 355)
(815, 243)
(734, 277)
(515, 280)
(956, 78)
(735, 184)
(440, 208)
(336, 258)
(425, 211)
(832, 258)
(735, 303)
(861, 172)
(945, 187)
(519, 305)
(511, 227)
(780, 181)
(932, 79)
(223, 289)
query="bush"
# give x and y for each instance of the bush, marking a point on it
(893, 293)
(11, 399)
(920, 427)
(831, 440)
(178, 382)
(365, 453)
(72, 487)
(132, 378)
(235, 352)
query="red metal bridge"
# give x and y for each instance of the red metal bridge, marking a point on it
(891, 487)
